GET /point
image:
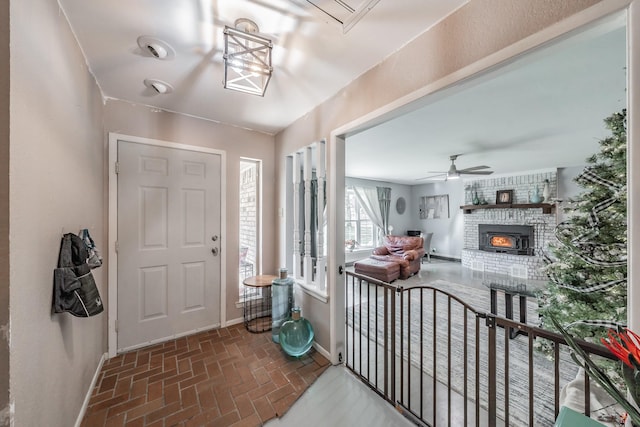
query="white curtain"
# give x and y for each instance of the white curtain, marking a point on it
(368, 198)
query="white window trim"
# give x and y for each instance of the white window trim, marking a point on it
(313, 291)
(308, 160)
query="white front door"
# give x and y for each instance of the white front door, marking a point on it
(168, 242)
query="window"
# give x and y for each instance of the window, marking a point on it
(249, 219)
(359, 230)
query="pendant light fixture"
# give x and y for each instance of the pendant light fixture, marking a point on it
(247, 58)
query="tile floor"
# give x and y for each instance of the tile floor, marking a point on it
(223, 377)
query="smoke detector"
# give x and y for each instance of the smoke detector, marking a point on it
(156, 48)
(160, 87)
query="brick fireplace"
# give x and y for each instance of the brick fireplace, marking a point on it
(519, 231)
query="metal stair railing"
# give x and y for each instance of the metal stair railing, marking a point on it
(441, 362)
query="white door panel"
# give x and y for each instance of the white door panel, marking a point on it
(168, 230)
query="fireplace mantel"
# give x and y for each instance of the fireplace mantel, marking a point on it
(547, 208)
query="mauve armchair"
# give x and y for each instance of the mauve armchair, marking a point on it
(407, 251)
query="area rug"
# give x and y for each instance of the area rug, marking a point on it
(478, 297)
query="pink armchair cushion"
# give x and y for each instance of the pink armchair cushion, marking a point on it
(404, 263)
(412, 254)
(401, 245)
(381, 250)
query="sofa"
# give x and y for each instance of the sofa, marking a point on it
(406, 251)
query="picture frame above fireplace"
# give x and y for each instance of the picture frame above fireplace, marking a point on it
(504, 197)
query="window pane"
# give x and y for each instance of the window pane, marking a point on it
(366, 233)
(350, 230)
(362, 213)
(350, 209)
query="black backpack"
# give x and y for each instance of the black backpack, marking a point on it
(74, 289)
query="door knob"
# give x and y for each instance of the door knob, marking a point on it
(214, 251)
(214, 238)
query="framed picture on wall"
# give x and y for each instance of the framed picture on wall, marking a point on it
(504, 197)
(434, 207)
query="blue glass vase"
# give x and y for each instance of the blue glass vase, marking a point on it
(281, 302)
(296, 335)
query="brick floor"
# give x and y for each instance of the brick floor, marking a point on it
(223, 377)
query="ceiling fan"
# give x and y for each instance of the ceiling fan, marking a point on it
(454, 172)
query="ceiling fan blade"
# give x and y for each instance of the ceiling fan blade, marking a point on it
(439, 176)
(473, 168)
(476, 172)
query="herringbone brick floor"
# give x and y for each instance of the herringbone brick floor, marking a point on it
(223, 377)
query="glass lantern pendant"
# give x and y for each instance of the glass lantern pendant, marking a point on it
(296, 335)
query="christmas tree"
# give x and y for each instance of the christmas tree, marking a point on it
(587, 267)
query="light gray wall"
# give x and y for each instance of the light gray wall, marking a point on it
(448, 237)
(137, 120)
(567, 188)
(57, 185)
(447, 232)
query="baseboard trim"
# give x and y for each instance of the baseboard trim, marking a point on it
(87, 398)
(234, 322)
(321, 350)
(446, 258)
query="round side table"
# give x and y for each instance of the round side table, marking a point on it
(256, 302)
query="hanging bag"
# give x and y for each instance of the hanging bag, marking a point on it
(94, 259)
(74, 288)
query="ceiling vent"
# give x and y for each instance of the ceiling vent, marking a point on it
(156, 48)
(346, 12)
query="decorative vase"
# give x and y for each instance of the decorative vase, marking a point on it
(296, 335)
(476, 200)
(535, 197)
(281, 302)
(546, 191)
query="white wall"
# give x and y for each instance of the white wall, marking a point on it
(57, 185)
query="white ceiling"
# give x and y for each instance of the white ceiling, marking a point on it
(312, 57)
(541, 111)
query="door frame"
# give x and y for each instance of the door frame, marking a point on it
(112, 234)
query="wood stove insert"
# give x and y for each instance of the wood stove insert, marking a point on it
(506, 238)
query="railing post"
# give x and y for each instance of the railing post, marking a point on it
(400, 353)
(492, 379)
(392, 330)
(385, 356)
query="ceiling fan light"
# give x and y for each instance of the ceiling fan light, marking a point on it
(454, 175)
